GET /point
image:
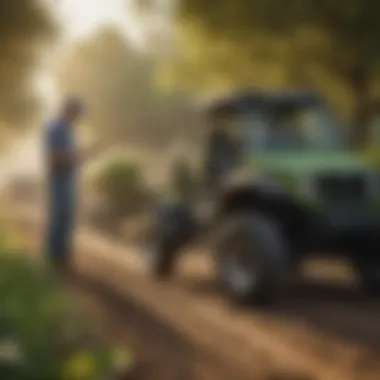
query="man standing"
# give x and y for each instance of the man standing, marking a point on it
(62, 161)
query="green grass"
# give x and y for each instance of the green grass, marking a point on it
(44, 335)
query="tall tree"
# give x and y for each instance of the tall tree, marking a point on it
(25, 27)
(332, 36)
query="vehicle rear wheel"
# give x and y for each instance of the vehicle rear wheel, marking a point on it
(251, 259)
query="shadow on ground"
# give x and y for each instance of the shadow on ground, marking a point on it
(344, 312)
(341, 311)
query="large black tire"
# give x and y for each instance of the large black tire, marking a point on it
(172, 228)
(251, 259)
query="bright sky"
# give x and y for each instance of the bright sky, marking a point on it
(81, 17)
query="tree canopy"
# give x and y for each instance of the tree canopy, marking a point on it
(351, 25)
(328, 44)
(25, 26)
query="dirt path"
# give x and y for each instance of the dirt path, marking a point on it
(240, 344)
(162, 354)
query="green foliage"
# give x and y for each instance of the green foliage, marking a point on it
(26, 26)
(119, 181)
(44, 334)
(329, 45)
(29, 308)
(183, 181)
(351, 23)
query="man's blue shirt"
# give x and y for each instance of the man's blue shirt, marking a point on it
(59, 136)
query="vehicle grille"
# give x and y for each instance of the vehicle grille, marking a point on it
(342, 188)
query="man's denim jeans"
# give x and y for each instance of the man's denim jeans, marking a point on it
(60, 219)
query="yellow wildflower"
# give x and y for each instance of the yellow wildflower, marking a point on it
(81, 366)
(123, 359)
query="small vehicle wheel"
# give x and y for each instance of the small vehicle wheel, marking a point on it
(171, 229)
(251, 259)
(159, 256)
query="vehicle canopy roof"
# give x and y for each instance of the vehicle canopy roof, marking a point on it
(238, 102)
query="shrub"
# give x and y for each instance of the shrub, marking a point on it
(118, 181)
(183, 182)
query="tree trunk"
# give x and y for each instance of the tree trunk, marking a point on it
(361, 87)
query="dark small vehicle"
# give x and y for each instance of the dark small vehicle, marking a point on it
(290, 187)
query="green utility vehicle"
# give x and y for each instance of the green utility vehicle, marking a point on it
(279, 183)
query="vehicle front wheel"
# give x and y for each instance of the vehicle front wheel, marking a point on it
(251, 257)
